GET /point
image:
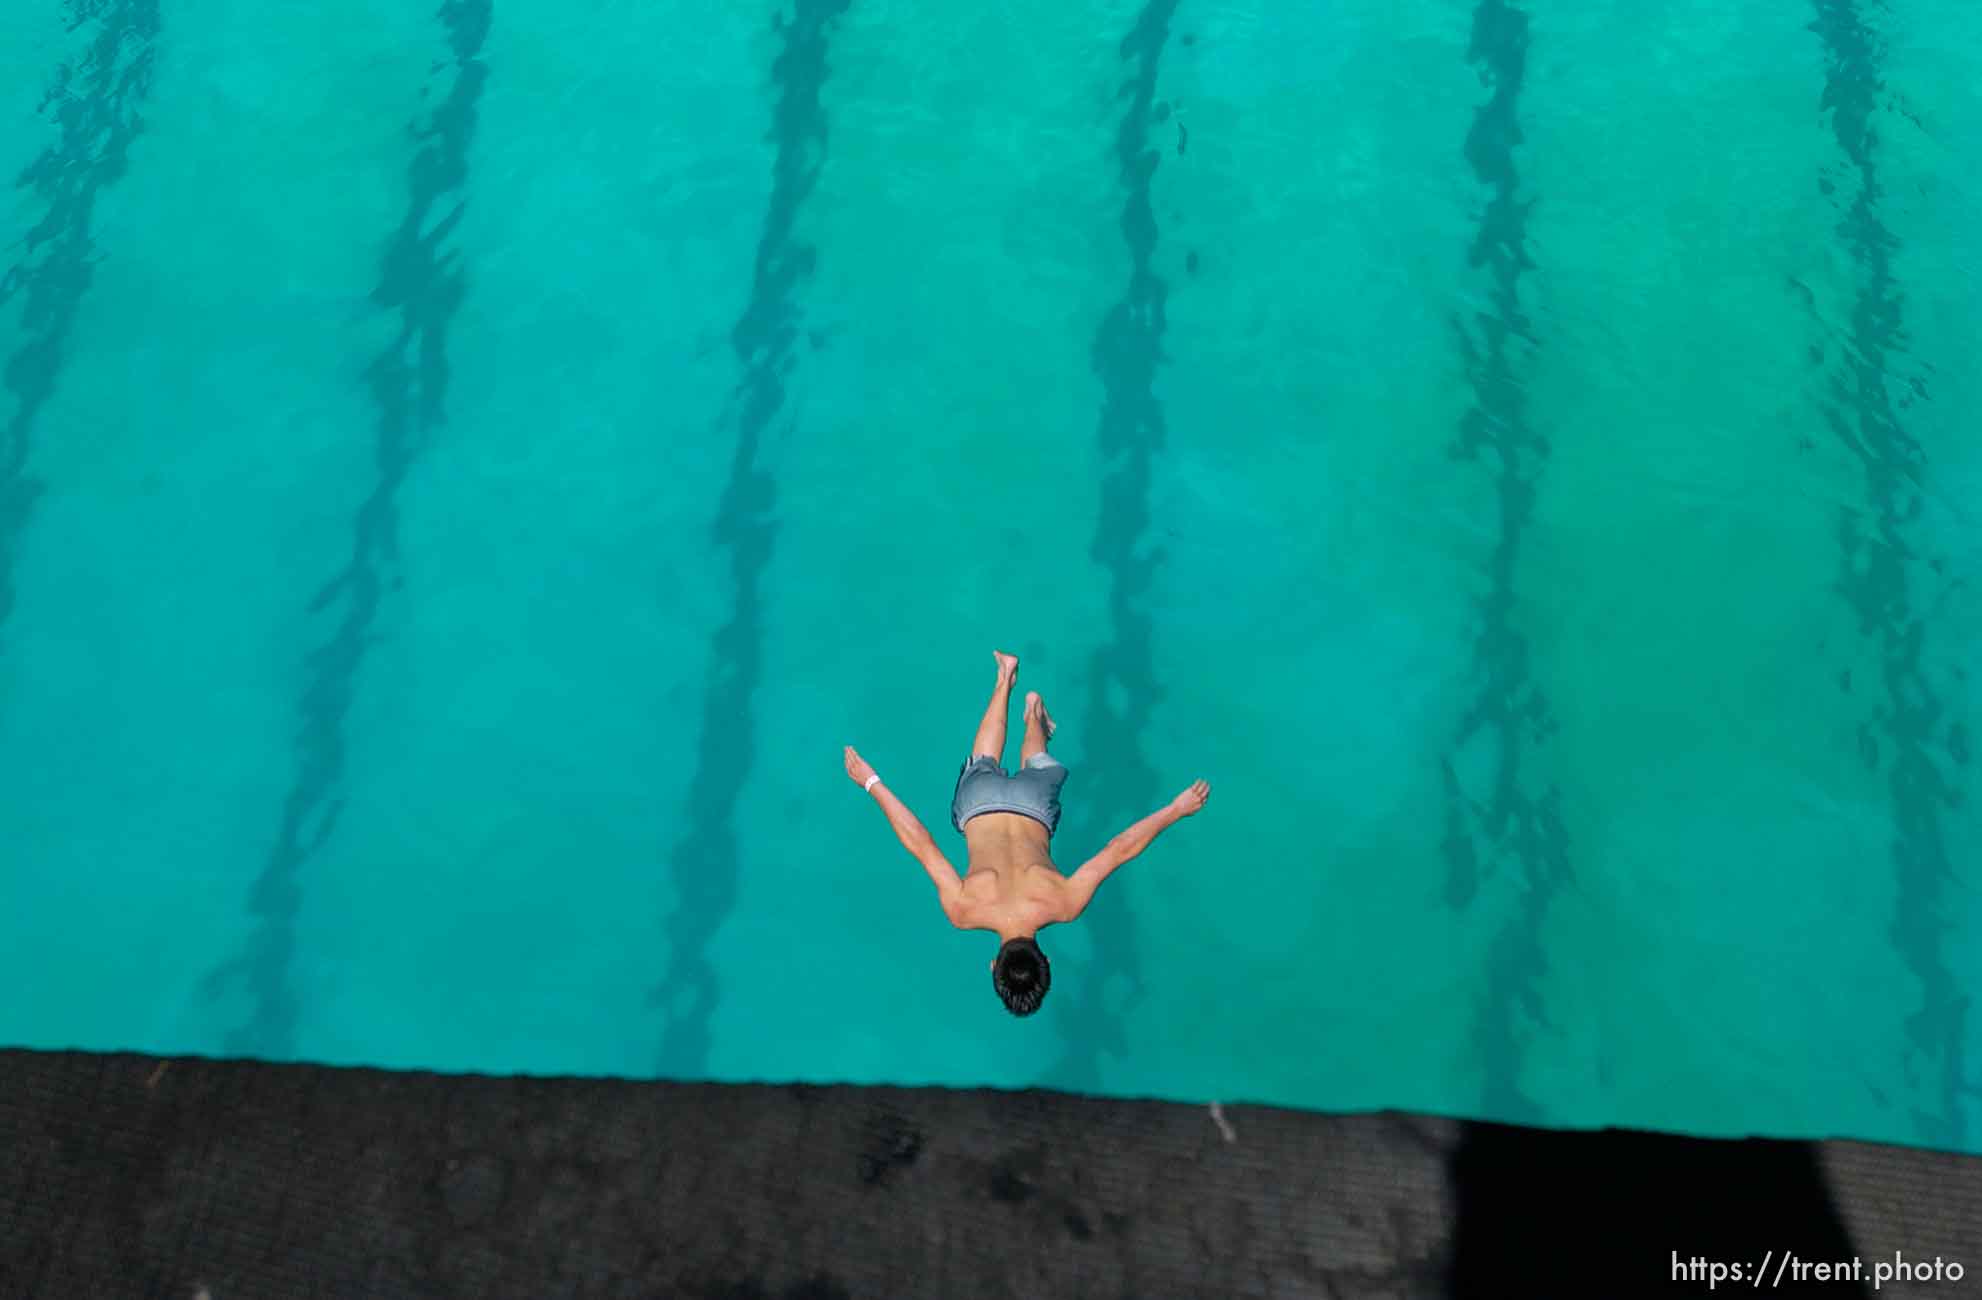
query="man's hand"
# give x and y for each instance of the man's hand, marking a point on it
(1190, 801)
(857, 768)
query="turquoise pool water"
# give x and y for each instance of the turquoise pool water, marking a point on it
(468, 470)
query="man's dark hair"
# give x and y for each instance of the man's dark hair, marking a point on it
(1021, 975)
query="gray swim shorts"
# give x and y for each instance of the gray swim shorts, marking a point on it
(1033, 790)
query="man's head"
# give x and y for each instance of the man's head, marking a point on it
(1021, 975)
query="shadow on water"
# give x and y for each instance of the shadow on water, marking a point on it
(704, 864)
(1549, 1214)
(1917, 739)
(422, 282)
(1495, 826)
(1118, 784)
(95, 101)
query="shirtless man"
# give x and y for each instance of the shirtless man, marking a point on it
(1012, 887)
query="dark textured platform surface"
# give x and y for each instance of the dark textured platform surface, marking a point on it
(128, 1176)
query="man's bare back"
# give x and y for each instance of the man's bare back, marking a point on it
(1012, 885)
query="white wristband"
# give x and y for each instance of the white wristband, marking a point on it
(869, 787)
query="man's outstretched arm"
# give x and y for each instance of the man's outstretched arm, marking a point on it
(915, 837)
(1082, 884)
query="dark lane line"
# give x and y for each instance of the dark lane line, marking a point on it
(96, 100)
(423, 283)
(705, 862)
(1119, 785)
(1912, 733)
(1513, 834)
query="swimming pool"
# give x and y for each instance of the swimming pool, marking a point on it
(470, 470)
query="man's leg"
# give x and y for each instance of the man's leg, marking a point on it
(990, 740)
(1038, 726)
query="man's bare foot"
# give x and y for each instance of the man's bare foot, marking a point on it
(1036, 707)
(1008, 665)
